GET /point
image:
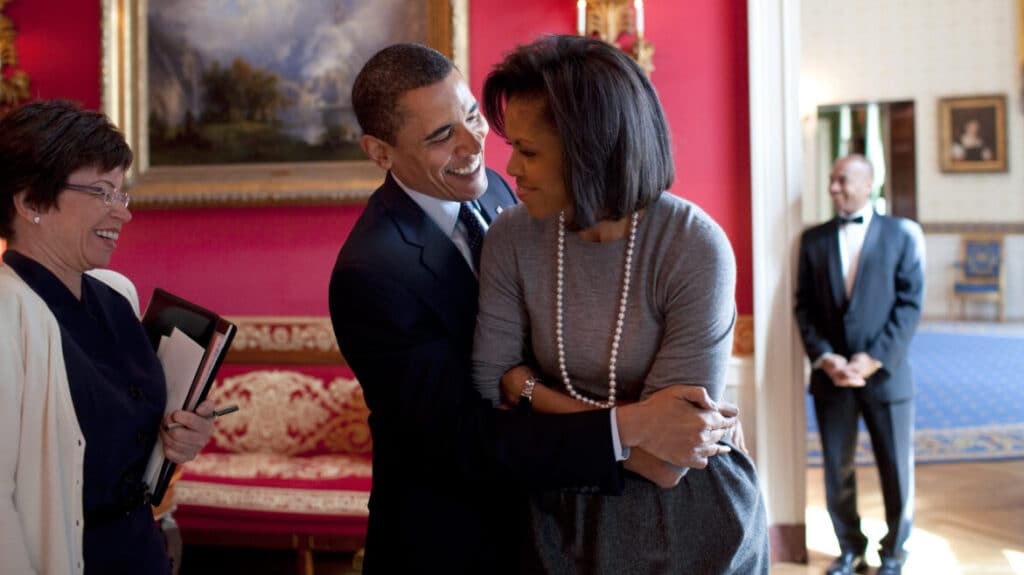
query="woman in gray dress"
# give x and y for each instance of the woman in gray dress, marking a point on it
(601, 288)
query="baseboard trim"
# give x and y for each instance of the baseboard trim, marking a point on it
(788, 543)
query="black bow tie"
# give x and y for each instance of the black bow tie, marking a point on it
(853, 220)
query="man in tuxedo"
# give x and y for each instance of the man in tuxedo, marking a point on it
(448, 469)
(858, 300)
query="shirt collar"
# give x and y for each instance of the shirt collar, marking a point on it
(444, 213)
(866, 212)
(41, 280)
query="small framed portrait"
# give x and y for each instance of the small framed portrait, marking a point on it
(973, 134)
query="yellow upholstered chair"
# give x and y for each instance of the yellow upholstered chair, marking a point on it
(978, 274)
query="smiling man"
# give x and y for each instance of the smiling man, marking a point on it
(447, 467)
(858, 300)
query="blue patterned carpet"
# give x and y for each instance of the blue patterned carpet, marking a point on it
(969, 382)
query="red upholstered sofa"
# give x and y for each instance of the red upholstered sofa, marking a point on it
(291, 468)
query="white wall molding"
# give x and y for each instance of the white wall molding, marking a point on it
(776, 175)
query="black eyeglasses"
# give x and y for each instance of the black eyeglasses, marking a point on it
(108, 193)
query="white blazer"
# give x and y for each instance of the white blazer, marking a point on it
(42, 449)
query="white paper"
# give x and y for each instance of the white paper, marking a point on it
(180, 357)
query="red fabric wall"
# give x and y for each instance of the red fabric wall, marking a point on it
(276, 261)
(700, 73)
(59, 47)
(251, 261)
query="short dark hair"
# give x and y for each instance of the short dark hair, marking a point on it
(617, 155)
(386, 77)
(43, 142)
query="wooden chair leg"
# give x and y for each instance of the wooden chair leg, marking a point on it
(357, 560)
(172, 537)
(304, 561)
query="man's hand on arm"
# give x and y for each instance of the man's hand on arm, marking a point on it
(738, 439)
(679, 424)
(653, 469)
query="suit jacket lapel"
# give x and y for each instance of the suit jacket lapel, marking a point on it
(454, 287)
(835, 266)
(490, 207)
(871, 240)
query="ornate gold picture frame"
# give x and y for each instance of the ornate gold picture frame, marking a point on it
(126, 100)
(973, 134)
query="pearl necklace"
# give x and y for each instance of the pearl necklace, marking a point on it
(618, 322)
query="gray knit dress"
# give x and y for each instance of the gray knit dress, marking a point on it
(677, 330)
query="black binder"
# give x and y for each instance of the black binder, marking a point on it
(165, 312)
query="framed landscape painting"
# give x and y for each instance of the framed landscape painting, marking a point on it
(973, 134)
(231, 102)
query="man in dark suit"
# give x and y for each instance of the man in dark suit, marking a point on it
(859, 290)
(447, 468)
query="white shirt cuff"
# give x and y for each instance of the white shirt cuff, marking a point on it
(816, 364)
(621, 453)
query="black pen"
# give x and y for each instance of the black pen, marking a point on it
(214, 415)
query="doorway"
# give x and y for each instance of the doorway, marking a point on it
(883, 132)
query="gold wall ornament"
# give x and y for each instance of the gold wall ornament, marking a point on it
(618, 22)
(14, 86)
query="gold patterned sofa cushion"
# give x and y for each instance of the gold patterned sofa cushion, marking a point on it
(291, 413)
(297, 450)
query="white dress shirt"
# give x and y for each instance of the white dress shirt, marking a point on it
(445, 213)
(851, 241)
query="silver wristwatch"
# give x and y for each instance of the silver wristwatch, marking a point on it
(526, 394)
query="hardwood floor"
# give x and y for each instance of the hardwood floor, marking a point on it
(969, 520)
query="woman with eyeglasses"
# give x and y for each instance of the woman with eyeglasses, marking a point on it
(82, 394)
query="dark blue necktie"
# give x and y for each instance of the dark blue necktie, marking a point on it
(474, 232)
(853, 220)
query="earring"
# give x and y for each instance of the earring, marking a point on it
(36, 220)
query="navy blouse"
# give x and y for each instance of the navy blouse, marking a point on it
(118, 389)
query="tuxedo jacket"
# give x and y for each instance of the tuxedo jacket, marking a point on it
(447, 467)
(882, 312)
